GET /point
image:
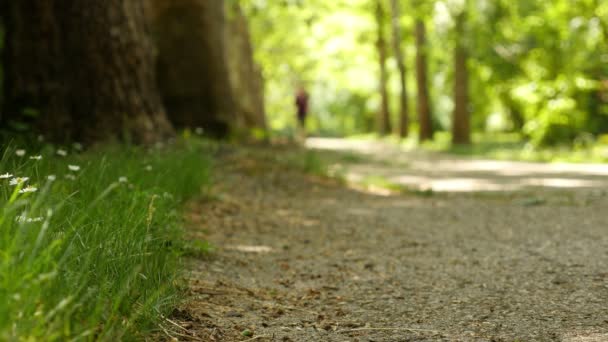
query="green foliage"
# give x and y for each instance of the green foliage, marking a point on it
(535, 67)
(92, 254)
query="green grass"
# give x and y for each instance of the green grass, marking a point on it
(93, 254)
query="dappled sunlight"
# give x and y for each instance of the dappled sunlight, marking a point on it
(393, 169)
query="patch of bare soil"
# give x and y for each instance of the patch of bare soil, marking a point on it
(300, 258)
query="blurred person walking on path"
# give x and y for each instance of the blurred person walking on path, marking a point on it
(302, 111)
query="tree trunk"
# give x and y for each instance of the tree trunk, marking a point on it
(384, 121)
(82, 71)
(403, 100)
(192, 64)
(245, 75)
(461, 131)
(423, 104)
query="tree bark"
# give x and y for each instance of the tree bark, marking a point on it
(423, 103)
(192, 64)
(245, 75)
(461, 131)
(82, 71)
(384, 121)
(403, 100)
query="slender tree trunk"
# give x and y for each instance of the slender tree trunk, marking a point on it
(192, 64)
(84, 70)
(384, 121)
(404, 110)
(461, 131)
(423, 104)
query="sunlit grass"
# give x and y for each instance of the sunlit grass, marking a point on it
(92, 253)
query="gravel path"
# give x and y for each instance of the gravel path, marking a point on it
(301, 258)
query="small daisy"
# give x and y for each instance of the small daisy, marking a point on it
(6, 175)
(73, 167)
(62, 153)
(36, 157)
(122, 179)
(27, 189)
(20, 153)
(51, 177)
(18, 180)
(148, 168)
(23, 218)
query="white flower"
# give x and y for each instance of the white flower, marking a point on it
(122, 179)
(6, 175)
(70, 176)
(20, 153)
(62, 153)
(41, 138)
(73, 167)
(23, 218)
(51, 177)
(27, 189)
(148, 168)
(77, 146)
(18, 180)
(198, 130)
(36, 157)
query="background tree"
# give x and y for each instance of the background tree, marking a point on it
(245, 75)
(423, 101)
(384, 117)
(192, 64)
(403, 100)
(461, 130)
(81, 71)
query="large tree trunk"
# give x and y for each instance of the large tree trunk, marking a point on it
(461, 131)
(384, 121)
(192, 64)
(423, 103)
(245, 75)
(403, 101)
(82, 70)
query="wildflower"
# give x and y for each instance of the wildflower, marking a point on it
(6, 175)
(51, 177)
(198, 130)
(122, 179)
(27, 189)
(148, 168)
(36, 157)
(73, 167)
(62, 153)
(70, 177)
(20, 153)
(77, 146)
(23, 218)
(40, 138)
(18, 180)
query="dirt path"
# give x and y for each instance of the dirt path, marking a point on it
(443, 172)
(301, 258)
